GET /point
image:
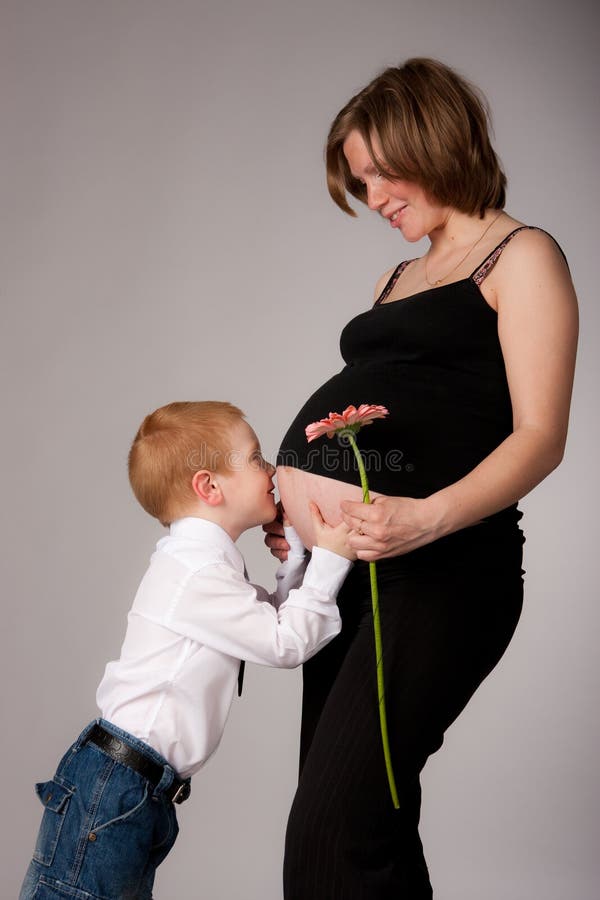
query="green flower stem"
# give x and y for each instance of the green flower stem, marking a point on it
(377, 629)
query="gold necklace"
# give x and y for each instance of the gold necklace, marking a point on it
(469, 251)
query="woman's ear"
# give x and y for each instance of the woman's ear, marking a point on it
(207, 488)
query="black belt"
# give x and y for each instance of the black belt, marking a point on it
(117, 749)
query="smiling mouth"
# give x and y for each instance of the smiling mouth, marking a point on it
(395, 215)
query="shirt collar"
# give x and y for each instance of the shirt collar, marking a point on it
(207, 532)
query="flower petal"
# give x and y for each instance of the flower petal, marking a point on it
(364, 415)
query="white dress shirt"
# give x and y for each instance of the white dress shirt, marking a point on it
(194, 617)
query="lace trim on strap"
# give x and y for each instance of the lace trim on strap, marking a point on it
(392, 281)
(482, 271)
(488, 264)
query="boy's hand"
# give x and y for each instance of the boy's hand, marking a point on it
(330, 537)
(274, 536)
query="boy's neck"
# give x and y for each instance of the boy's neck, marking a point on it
(230, 529)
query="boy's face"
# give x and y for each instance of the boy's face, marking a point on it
(248, 484)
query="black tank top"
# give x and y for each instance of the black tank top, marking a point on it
(435, 361)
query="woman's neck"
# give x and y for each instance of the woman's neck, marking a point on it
(458, 230)
(457, 240)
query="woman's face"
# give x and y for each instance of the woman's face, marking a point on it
(403, 203)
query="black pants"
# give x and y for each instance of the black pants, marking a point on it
(448, 612)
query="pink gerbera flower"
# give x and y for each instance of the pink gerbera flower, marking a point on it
(352, 418)
(349, 424)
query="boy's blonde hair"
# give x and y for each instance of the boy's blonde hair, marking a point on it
(172, 444)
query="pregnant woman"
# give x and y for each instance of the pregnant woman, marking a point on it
(471, 348)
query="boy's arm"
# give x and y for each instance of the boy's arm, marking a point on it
(331, 538)
(220, 609)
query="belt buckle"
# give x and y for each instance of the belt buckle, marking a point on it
(183, 792)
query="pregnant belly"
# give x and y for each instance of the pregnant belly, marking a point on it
(297, 488)
(441, 424)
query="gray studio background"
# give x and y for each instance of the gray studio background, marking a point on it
(166, 234)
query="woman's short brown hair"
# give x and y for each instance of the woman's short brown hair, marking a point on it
(433, 129)
(172, 444)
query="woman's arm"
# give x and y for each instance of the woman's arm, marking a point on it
(538, 330)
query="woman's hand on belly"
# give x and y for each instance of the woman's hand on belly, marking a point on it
(390, 526)
(297, 488)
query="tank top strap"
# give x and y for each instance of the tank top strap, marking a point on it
(484, 268)
(392, 281)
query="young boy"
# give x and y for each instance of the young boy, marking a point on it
(109, 817)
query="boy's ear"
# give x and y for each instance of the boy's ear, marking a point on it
(206, 488)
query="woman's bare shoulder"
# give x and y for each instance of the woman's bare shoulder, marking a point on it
(532, 278)
(533, 248)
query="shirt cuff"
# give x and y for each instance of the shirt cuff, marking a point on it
(297, 548)
(326, 571)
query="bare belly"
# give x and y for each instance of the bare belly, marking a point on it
(297, 488)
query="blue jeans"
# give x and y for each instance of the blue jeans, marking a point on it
(105, 828)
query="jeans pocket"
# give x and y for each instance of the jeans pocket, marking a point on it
(55, 799)
(55, 890)
(119, 806)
